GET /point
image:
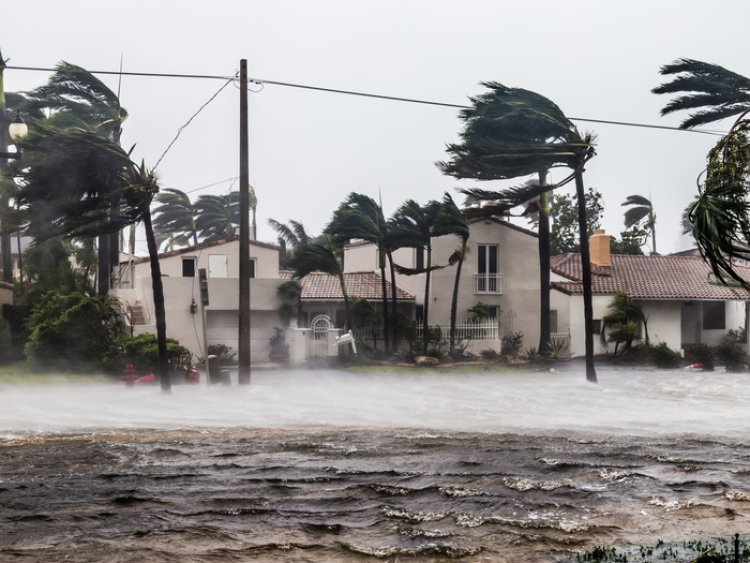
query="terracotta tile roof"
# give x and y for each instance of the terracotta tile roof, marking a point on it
(318, 285)
(649, 277)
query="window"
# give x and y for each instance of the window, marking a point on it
(596, 326)
(419, 258)
(188, 267)
(252, 268)
(714, 315)
(419, 314)
(487, 278)
(217, 266)
(553, 321)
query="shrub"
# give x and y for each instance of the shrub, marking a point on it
(72, 331)
(143, 352)
(700, 354)
(225, 353)
(731, 355)
(664, 357)
(511, 343)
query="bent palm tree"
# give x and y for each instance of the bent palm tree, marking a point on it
(70, 185)
(218, 216)
(709, 91)
(640, 208)
(361, 217)
(174, 218)
(511, 132)
(412, 226)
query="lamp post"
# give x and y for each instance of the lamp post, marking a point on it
(17, 130)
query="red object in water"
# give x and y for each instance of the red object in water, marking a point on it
(128, 374)
(194, 377)
(148, 378)
(695, 366)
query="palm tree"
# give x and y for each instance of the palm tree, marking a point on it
(452, 221)
(218, 216)
(709, 91)
(290, 236)
(71, 184)
(412, 226)
(323, 255)
(174, 218)
(719, 218)
(640, 208)
(511, 132)
(361, 217)
(77, 99)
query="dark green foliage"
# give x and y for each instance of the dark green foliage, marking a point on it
(700, 354)
(730, 354)
(72, 332)
(479, 311)
(664, 357)
(631, 241)
(225, 353)
(564, 235)
(279, 348)
(143, 352)
(511, 343)
(620, 324)
(640, 208)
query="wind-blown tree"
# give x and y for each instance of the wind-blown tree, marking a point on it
(708, 91)
(73, 181)
(78, 99)
(322, 255)
(564, 235)
(510, 133)
(290, 236)
(620, 324)
(174, 218)
(361, 217)
(412, 225)
(641, 208)
(452, 221)
(719, 218)
(218, 216)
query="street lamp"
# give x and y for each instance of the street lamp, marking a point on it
(17, 131)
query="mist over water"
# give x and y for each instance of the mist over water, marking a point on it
(626, 401)
(316, 465)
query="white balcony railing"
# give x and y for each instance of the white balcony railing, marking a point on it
(489, 283)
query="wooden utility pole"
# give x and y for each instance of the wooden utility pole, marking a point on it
(243, 347)
(5, 248)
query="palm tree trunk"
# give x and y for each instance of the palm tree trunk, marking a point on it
(426, 307)
(544, 270)
(159, 312)
(454, 299)
(347, 309)
(103, 264)
(386, 320)
(20, 259)
(588, 309)
(392, 333)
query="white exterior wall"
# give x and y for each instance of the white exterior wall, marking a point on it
(222, 312)
(664, 321)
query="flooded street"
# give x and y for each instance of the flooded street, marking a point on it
(335, 466)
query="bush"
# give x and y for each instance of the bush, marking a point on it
(511, 343)
(731, 355)
(143, 352)
(700, 354)
(225, 353)
(664, 357)
(72, 332)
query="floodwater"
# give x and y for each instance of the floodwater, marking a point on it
(342, 467)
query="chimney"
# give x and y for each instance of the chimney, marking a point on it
(599, 247)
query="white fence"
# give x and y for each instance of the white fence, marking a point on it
(467, 330)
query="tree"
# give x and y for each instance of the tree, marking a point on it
(361, 217)
(290, 236)
(564, 214)
(641, 208)
(79, 100)
(509, 133)
(631, 241)
(412, 226)
(174, 218)
(217, 216)
(323, 255)
(622, 320)
(452, 221)
(710, 92)
(74, 181)
(719, 218)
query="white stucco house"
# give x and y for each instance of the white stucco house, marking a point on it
(184, 312)
(683, 302)
(500, 270)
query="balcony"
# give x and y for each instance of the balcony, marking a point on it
(489, 284)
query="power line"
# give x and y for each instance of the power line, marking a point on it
(263, 81)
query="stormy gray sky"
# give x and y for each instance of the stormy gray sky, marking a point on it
(597, 59)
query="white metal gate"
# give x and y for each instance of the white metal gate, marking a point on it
(320, 325)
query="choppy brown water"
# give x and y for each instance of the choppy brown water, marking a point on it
(338, 494)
